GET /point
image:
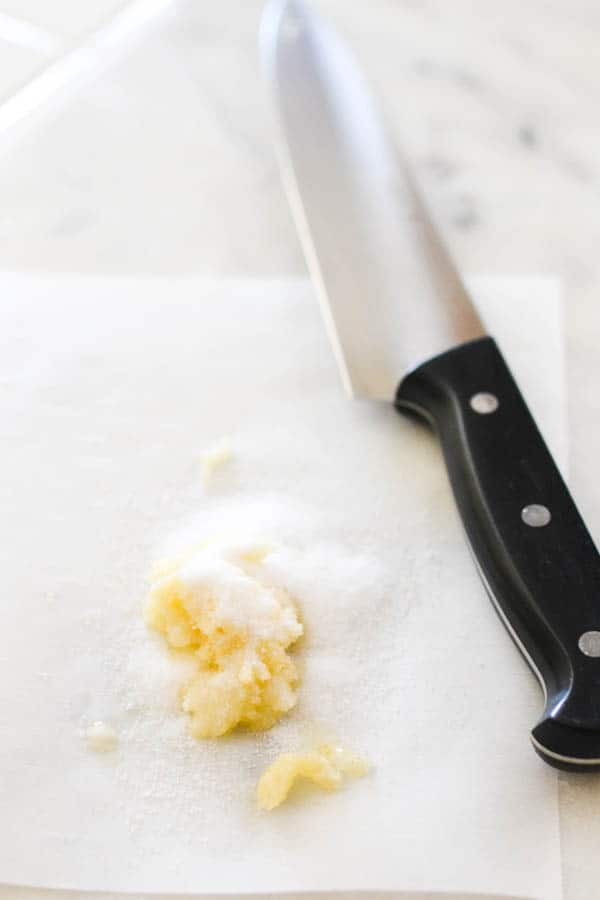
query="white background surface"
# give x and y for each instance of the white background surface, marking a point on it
(127, 380)
(164, 164)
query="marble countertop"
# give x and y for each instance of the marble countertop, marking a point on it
(136, 138)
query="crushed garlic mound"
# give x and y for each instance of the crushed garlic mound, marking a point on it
(215, 605)
(325, 766)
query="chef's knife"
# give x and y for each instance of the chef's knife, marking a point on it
(404, 329)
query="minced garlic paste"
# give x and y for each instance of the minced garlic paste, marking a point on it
(213, 605)
(325, 766)
(101, 737)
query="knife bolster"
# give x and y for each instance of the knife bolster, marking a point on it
(532, 548)
(566, 747)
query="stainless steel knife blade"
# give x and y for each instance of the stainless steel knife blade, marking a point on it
(389, 292)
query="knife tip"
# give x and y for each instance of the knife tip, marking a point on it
(281, 20)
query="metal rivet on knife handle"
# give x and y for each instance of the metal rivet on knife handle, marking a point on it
(484, 403)
(535, 515)
(589, 643)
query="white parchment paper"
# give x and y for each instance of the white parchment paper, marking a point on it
(111, 390)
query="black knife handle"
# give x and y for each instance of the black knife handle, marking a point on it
(544, 579)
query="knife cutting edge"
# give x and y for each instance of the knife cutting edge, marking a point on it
(403, 329)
